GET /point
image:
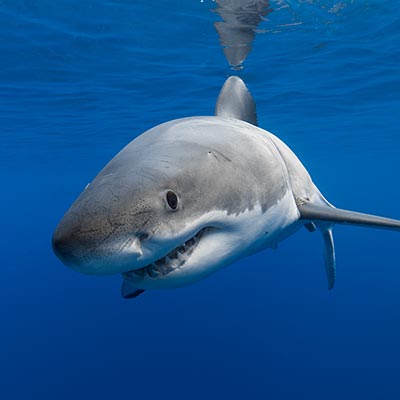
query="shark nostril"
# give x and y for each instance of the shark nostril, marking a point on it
(142, 236)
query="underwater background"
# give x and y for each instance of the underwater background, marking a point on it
(78, 81)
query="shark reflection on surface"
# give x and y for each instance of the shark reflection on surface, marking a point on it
(237, 30)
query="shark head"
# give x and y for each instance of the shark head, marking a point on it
(147, 204)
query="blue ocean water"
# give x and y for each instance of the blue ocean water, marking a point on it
(78, 81)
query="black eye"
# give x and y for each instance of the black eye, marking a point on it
(172, 200)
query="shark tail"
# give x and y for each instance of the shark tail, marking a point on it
(325, 216)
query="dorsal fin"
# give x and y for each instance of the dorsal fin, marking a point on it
(313, 212)
(235, 101)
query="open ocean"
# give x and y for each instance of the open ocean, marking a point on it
(78, 81)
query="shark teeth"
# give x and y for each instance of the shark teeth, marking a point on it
(169, 263)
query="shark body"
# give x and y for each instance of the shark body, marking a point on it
(193, 195)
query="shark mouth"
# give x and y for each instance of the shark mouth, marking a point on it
(167, 264)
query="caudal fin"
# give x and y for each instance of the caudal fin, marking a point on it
(329, 255)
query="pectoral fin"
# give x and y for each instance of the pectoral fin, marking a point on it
(324, 216)
(315, 213)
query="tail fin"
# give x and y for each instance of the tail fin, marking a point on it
(333, 215)
(329, 255)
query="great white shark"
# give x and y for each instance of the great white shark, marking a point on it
(193, 195)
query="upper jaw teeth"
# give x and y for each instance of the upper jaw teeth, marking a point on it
(172, 261)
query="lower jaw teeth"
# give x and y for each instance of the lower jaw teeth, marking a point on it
(167, 264)
(155, 270)
(153, 273)
(137, 273)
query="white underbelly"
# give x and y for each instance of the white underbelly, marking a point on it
(239, 236)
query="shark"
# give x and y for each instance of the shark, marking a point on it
(194, 195)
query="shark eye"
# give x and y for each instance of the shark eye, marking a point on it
(172, 200)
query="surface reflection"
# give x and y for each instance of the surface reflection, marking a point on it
(240, 19)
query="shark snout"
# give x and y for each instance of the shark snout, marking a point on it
(95, 248)
(64, 247)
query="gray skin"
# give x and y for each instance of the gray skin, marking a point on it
(239, 188)
(208, 163)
